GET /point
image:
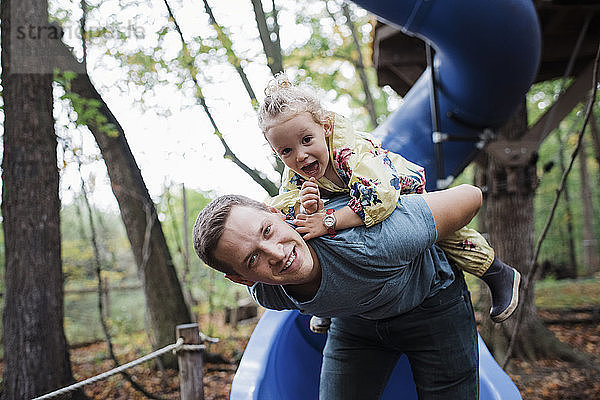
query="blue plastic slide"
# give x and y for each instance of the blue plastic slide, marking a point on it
(283, 361)
(486, 57)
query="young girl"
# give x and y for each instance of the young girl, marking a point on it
(325, 157)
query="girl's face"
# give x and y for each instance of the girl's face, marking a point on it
(301, 144)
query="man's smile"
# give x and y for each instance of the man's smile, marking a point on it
(290, 260)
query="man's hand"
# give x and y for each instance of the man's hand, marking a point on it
(311, 226)
(310, 197)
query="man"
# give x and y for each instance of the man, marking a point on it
(389, 288)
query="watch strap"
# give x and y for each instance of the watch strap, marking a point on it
(331, 230)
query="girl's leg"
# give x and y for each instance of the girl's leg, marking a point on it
(467, 250)
(503, 281)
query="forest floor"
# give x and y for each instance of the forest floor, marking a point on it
(541, 380)
(559, 380)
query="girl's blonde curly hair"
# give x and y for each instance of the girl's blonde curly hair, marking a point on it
(283, 101)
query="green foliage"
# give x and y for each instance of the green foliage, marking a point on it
(328, 59)
(210, 289)
(77, 258)
(87, 110)
(2, 260)
(550, 293)
(555, 246)
(541, 96)
(78, 254)
(82, 322)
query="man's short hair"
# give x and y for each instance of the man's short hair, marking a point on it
(210, 224)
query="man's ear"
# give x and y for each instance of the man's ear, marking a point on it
(275, 211)
(239, 279)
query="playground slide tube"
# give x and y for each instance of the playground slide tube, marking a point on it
(283, 358)
(486, 57)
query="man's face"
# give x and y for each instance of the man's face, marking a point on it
(261, 247)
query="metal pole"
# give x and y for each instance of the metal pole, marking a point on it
(435, 118)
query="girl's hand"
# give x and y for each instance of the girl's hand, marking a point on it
(310, 226)
(310, 197)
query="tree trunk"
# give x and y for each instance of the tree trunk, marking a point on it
(590, 246)
(595, 140)
(164, 297)
(509, 215)
(36, 359)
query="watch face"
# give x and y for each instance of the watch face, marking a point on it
(329, 221)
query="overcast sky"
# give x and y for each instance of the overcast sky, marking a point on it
(173, 143)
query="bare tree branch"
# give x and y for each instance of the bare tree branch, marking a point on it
(256, 175)
(360, 66)
(269, 38)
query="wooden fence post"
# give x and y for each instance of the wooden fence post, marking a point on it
(190, 364)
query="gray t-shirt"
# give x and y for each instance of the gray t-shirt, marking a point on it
(377, 272)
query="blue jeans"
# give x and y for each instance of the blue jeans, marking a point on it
(439, 338)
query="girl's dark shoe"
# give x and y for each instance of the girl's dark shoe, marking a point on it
(503, 281)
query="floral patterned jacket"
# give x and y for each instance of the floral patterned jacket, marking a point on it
(374, 177)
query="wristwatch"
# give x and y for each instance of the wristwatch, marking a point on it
(329, 222)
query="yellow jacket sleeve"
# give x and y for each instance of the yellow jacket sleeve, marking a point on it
(376, 177)
(371, 184)
(288, 199)
(286, 202)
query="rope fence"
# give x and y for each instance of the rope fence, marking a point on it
(179, 346)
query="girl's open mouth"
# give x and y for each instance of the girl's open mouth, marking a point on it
(311, 169)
